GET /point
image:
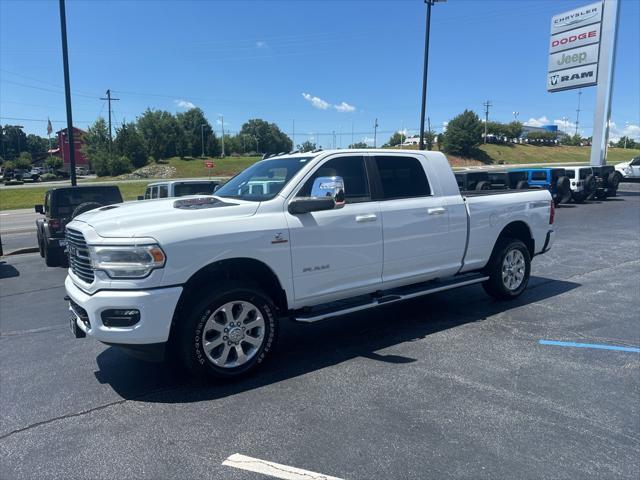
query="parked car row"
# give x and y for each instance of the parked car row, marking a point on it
(565, 184)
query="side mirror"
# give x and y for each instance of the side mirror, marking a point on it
(327, 193)
(216, 188)
(39, 209)
(332, 187)
(140, 197)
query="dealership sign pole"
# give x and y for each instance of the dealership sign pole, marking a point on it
(581, 54)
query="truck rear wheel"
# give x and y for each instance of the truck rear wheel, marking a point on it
(228, 332)
(52, 256)
(508, 269)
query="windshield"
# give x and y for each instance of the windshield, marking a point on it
(262, 180)
(183, 189)
(571, 174)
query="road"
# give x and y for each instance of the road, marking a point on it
(454, 385)
(18, 229)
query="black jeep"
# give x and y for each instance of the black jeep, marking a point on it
(607, 181)
(60, 206)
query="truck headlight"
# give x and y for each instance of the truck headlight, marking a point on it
(127, 261)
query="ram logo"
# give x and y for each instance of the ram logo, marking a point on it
(316, 268)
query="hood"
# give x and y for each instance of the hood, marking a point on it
(148, 218)
(623, 164)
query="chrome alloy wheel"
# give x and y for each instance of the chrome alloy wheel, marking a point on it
(233, 334)
(513, 269)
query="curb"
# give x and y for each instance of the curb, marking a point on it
(21, 251)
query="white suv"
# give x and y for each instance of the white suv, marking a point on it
(630, 169)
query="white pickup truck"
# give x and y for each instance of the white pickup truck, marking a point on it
(208, 278)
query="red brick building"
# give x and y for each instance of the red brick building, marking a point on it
(78, 140)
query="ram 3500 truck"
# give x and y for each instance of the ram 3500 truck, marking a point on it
(305, 236)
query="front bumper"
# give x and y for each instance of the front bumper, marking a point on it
(156, 308)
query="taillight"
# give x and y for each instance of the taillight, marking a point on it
(552, 212)
(54, 224)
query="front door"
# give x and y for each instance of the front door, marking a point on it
(337, 253)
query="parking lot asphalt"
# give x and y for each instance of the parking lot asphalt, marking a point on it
(454, 385)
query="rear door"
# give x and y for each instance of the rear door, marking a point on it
(417, 243)
(337, 253)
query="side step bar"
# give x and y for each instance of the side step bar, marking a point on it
(390, 296)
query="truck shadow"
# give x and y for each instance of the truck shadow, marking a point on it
(306, 348)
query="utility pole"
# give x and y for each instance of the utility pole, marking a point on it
(429, 130)
(401, 133)
(293, 133)
(375, 133)
(109, 99)
(515, 116)
(425, 70)
(333, 132)
(578, 111)
(67, 94)
(626, 124)
(352, 133)
(222, 121)
(486, 104)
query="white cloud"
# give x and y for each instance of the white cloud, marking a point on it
(261, 44)
(186, 104)
(344, 107)
(630, 130)
(317, 102)
(537, 122)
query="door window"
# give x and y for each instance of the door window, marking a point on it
(539, 175)
(353, 172)
(163, 192)
(154, 192)
(402, 177)
(147, 193)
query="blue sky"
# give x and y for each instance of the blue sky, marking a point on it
(329, 65)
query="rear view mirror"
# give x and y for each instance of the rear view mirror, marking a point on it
(216, 188)
(332, 187)
(39, 209)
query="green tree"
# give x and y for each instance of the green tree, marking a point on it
(195, 126)
(54, 162)
(24, 161)
(513, 130)
(96, 145)
(37, 146)
(358, 145)
(396, 139)
(627, 142)
(429, 139)
(100, 163)
(270, 138)
(307, 146)
(13, 141)
(161, 134)
(119, 164)
(463, 134)
(129, 143)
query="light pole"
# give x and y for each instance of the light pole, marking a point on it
(202, 136)
(375, 133)
(425, 70)
(67, 93)
(222, 122)
(515, 116)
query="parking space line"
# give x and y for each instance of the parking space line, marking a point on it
(273, 469)
(589, 345)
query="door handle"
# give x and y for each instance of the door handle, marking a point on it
(436, 211)
(366, 218)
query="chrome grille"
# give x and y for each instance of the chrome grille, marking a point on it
(79, 260)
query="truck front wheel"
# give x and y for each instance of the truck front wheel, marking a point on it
(508, 269)
(228, 332)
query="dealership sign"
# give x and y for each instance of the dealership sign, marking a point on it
(574, 48)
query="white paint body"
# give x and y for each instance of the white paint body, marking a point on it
(402, 242)
(630, 169)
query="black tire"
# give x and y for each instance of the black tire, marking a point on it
(85, 207)
(522, 185)
(483, 185)
(563, 187)
(590, 187)
(613, 180)
(496, 286)
(40, 246)
(52, 257)
(190, 334)
(602, 195)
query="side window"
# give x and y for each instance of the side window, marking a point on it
(402, 177)
(584, 173)
(635, 162)
(154, 192)
(352, 171)
(539, 175)
(164, 191)
(147, 193)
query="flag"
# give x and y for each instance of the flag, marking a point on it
(49, 127)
